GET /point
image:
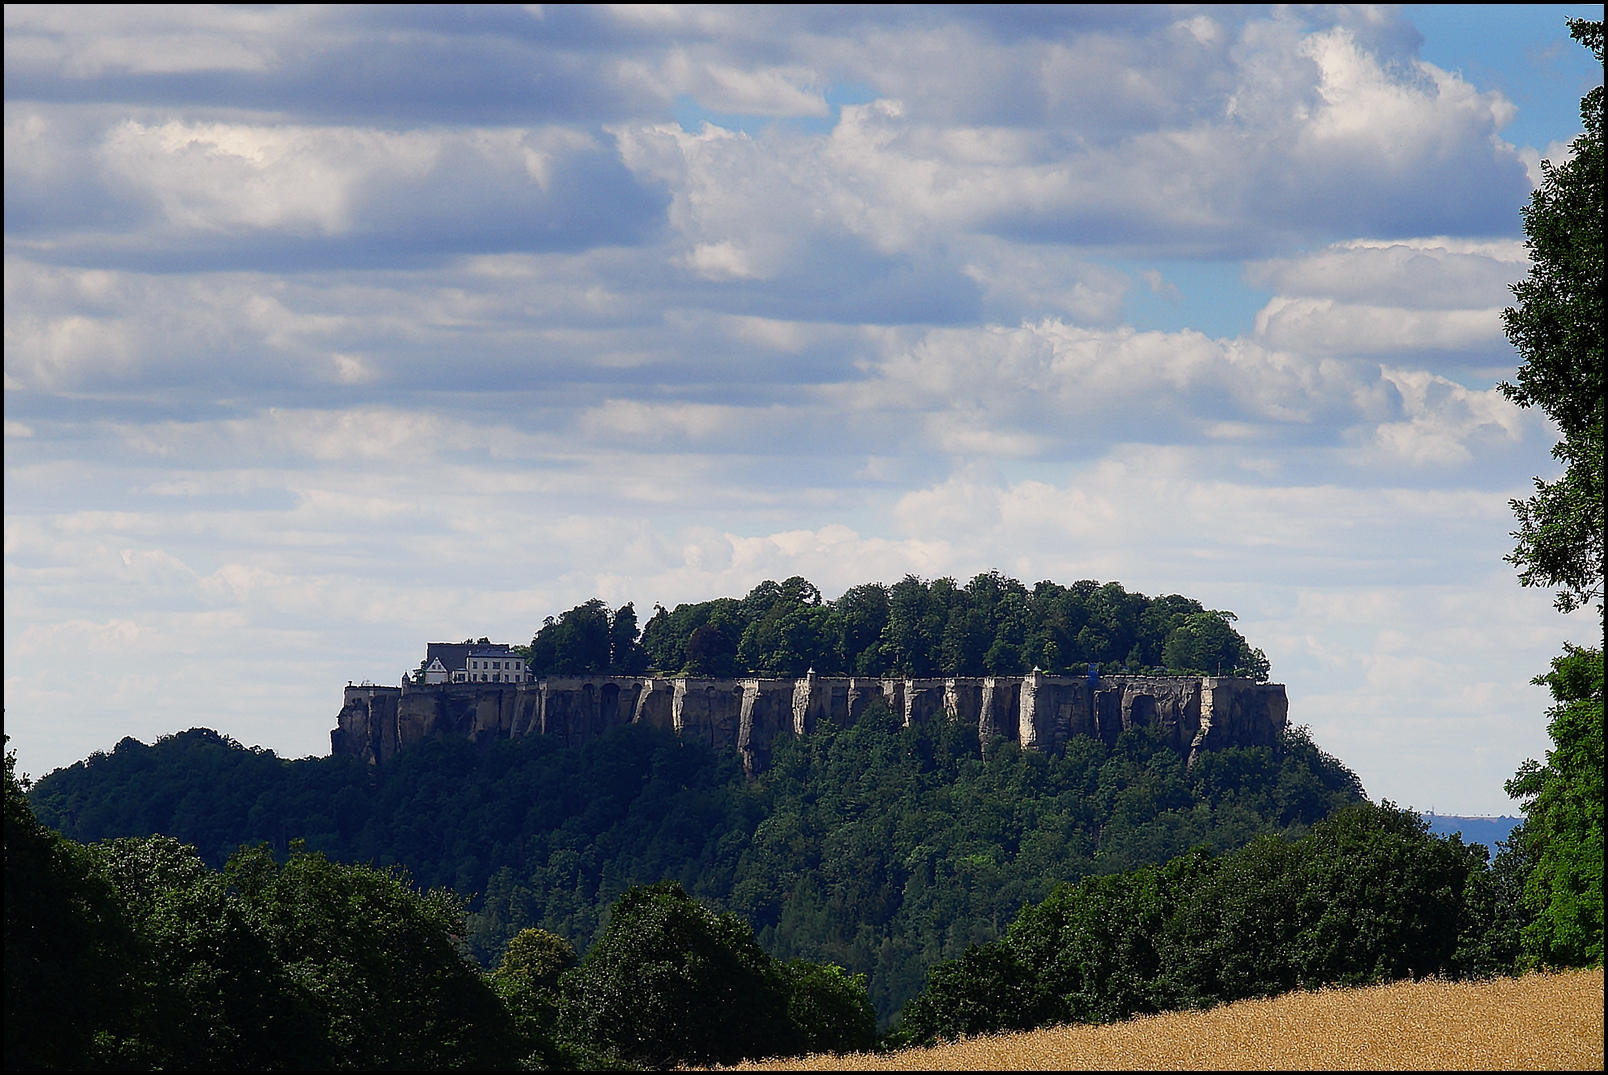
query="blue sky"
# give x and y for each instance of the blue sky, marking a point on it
(333, 331)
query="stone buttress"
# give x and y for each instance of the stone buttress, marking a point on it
(1040, 712)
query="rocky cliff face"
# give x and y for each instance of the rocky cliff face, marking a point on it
(1041, 712)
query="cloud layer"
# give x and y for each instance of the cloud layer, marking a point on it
(333, 331)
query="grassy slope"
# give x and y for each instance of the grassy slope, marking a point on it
(1551, 1021)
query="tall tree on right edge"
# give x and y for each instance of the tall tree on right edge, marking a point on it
(1557, 326)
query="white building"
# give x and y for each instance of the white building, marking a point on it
(474, 662)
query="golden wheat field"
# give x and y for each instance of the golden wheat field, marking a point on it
(1551, 1021)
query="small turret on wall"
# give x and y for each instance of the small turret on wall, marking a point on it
(1041, 712)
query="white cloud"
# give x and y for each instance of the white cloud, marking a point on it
(774, 91)
(1339, 138)
(718, 260)
(89, 43)
(1393, 122)
(791, 336)
(322, 180)
(1324, 326)
(1442, 417)
(1022, 281)
(1435, 273)
(425, 324)
(1557, 152)
(699, 421)
(1073, 383)
(1363, 297)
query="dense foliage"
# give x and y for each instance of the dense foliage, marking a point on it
(991, 626)
(671, 981)
(878, 848)
(527, 979)
(71, 955)
(135, 953)
(589, 639)
(1562, 833)
(1368, 895)
(1557, 326)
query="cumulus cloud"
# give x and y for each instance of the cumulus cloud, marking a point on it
(1442, 418)
(146, 40)
(1435, 273)
(226, 192)
(1079, 385)
(1363, 297)
(332, 330)
(773, 91)
(1021, 281)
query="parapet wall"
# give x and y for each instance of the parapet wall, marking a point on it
(1041, 712)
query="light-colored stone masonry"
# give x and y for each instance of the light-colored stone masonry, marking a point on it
(1041, 712)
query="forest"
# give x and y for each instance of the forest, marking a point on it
(879, 848)
(135, 951)
(993, 625)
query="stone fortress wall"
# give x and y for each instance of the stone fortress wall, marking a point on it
(1041, 712)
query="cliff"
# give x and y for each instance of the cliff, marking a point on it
(1041, 712)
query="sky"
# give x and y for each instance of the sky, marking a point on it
(332, 331)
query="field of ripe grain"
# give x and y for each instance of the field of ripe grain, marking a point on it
(1537, 1021)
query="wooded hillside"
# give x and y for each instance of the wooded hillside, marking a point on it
(881, 848)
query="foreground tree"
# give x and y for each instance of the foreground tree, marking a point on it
(1367, 896)
(380, 962)
(74, 988)
(1556, 325)
(527, 980)
(133, 953)
(1563, 808)
(829, 1009)
(216, 993)
(1557, 328)
(671, 982)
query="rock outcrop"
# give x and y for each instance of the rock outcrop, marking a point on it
(1041, 712)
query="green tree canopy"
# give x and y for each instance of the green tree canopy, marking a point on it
(588, 639)
(1368, 895)
(829, 1010)
(135, 953)
(1563, 804)
(993, 625)
(74, 966)
(1207, 644)
(219, 995)
(1557, 326)
(878, 847)
(527, 980)
(380, 961)
(672, 982)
